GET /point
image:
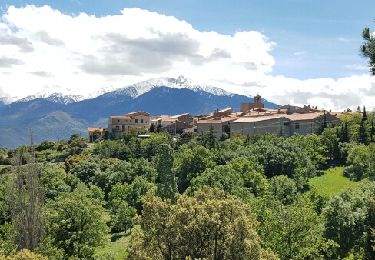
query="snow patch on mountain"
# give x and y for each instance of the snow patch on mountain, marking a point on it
(54, 97)
(181, 82)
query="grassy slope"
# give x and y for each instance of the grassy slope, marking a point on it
(332, 182)
(117, 249)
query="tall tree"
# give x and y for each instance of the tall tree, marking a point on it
(368, 48)
(166, 181)
(27, 199)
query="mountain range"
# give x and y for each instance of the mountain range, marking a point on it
(56, 116)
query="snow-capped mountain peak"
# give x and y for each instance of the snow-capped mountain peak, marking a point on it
(54, 97)
(181, 82)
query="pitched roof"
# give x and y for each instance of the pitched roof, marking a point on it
(217, 121)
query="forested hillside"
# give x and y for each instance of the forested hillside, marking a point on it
(193, 196)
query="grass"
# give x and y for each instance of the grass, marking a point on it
(332, 182)
(116, 249)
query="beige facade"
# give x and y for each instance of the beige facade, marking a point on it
(174, 124)
(258, 125)
(219, 126)
(282, 124)
(117, 125)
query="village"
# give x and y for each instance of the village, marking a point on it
(252, 119)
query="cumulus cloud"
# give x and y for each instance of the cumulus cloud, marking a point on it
(48, 51)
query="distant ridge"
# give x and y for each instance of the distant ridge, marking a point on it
(57, 116)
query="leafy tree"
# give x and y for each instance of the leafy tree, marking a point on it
(131, 193)
(189, 163)
(23, 255)
(122, 218)
(283, 188)
(75, 223)
(223, 177)
(331, 141)
(210, 225)
(53, 180)
(294, 231)
(166, 181)
(252, 174)
(346, 217)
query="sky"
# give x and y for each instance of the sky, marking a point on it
(290, 51)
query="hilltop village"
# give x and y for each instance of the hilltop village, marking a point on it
(252, 119)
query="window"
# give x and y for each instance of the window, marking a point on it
(141, 121)
(136, 121)
(297, 126)
(117, 127)
(118, 120)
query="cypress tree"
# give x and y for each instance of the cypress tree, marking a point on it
(167, 185)
(364, 114)
(363, 134)
(372, 131)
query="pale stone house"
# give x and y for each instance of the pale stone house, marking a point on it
(134, 121)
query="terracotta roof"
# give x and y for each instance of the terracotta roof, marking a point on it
(217, 121)
(254, 119)
(93, 129)
(307, 116)
(120, 117)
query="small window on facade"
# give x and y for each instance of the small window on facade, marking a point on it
(297, 126)
(117, 127)
(136, 121)
(141, 121)
(118, 121)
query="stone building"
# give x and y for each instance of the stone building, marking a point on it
(257, 104)
(134, 121)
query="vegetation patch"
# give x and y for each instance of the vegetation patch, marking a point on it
(332, 182)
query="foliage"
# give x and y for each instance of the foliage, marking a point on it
(209, 225)
(75, 223)
(167, 186)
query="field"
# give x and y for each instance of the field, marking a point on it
(332, 182)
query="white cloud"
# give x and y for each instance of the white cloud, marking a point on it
(44, 50)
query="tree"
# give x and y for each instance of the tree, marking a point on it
(372, 131)
(364, 114)
(122, 217)
(191, 162)
(283, 188)
(368, 48)
(209, 225)
(152, 128)
(166, 181)
(23, 255)
(363, 133)
(346, 221)
(294, 231)
(26, 200)
(76, 224)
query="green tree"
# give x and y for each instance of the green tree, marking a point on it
(363, 137)
(191, 162)
(346, 221)
(166, 181)
(122, 217)
(368, 48)
(283, 188)
(26, 199)
(294, 231)
(75, 223)
(209, 225)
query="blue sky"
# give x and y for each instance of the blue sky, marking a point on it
(290, 51)
(315, 38)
